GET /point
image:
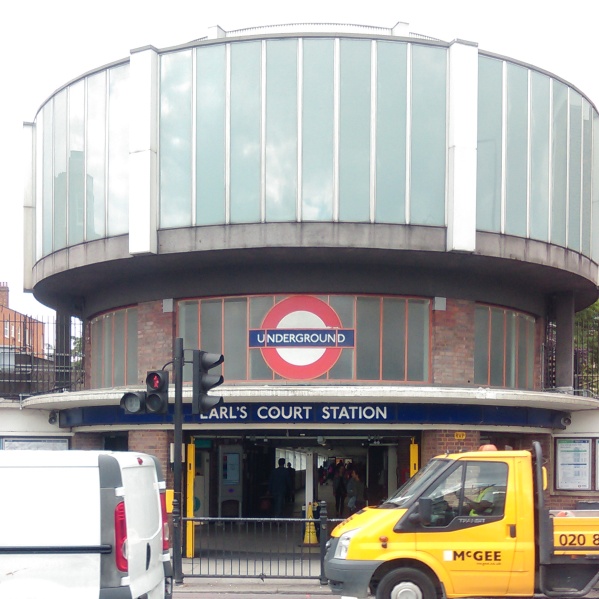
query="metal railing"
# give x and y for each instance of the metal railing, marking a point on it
(259, 547)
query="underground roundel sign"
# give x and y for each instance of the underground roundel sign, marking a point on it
(301, 337)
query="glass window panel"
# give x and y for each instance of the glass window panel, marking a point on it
(175, 139)
(211, 328)
(539, 156)
(245, 132)
(259, 306)
(317, 130)
(344, 367)
(344, 305)
(497, 348)
(522, 353)
(368, 338)
(60, 170)
(510, 349)
(48, 182)
(587, 161)
(481, 346)
(530, 348)
(391, 132)
(428, 135)
(118, 352)
(188, 331)
(489, 144)
(118, 151)
(107, 352)
(236, 345)
(394, 339)
(259, 371)
(516, 154)
(281, 130)
(95, 189)
(418, 340)
(76, 166)
(559, 163)
(574, 171)
(96, 366)
(211, 150)
(131, 346)
(354, 131)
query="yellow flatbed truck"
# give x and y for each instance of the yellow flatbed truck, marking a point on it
(467, 525)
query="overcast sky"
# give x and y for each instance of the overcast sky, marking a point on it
(46, 43)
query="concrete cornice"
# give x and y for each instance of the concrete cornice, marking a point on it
(337, 393)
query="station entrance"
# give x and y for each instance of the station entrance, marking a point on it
(229, 476)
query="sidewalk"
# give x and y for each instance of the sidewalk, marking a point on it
(209, 587)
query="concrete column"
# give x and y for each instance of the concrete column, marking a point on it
(462, 143)
(62, 351)
(564, 341)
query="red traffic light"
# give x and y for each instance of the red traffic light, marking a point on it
(156, 380)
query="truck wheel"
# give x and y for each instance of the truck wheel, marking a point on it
(406, 583)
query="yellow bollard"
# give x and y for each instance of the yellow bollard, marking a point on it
(310, 534)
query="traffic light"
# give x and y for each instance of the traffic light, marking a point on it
(154, 400)
(157, 392)
(134, 402)
(203, 381)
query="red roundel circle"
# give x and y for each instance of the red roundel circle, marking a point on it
(301, 312)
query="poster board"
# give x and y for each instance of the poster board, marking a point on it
(573, 464)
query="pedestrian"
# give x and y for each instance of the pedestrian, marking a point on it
(339, 490)
(291, 472)
(355, 492)
(278, 486)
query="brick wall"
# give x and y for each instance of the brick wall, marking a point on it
(156, 443)
(436, 442)
(453, 343)
(156, 331)
(87, 441)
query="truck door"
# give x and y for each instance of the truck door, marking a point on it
(469, 535)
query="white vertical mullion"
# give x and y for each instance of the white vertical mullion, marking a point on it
(67, 165)
(228, 134)
(336, 127)
(503, 146)
(408, 131)
(581, 217)
(550, 160)
(106, 154)
(86, 154)
(194, 136)
(263, 132)
(568, 141)
(299, 104)
(528, 151)
(373, 120)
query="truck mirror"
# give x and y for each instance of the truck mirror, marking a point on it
(544, 470)
(425, 510)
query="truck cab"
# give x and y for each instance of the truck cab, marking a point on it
(469, 524)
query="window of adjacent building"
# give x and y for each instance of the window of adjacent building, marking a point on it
(391, 336)
(114, 348)
(503, 348)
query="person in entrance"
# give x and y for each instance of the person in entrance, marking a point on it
(279, 487)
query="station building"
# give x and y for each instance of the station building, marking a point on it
(386, 235)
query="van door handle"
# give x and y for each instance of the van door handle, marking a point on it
(512, 531)
(148, 556)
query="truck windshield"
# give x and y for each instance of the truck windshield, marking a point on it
(414, 486)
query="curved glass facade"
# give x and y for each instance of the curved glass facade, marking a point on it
(329, 129)
(303, 130)
(82, 141)
(535, 156)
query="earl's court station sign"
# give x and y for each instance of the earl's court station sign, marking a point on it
(301, 337)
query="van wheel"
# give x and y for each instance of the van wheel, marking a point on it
(406, 583)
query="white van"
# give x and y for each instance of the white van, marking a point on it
(83, 525)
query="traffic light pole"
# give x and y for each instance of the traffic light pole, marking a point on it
(177, 459)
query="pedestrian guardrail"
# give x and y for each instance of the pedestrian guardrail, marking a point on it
(258, 547)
